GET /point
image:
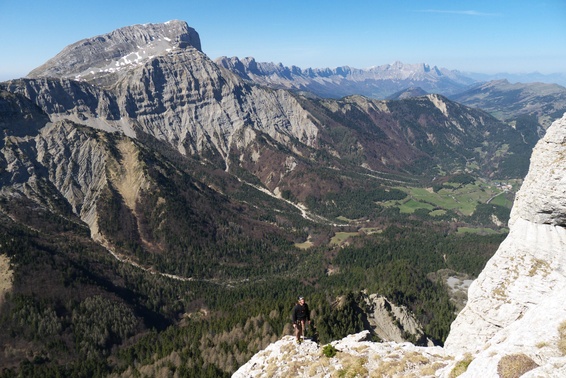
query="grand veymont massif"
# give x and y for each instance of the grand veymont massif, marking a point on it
(160, 213)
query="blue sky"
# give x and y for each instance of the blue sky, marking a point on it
(514, 36)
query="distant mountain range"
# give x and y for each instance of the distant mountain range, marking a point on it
(534, 105)
(376, 82)
(533, 77)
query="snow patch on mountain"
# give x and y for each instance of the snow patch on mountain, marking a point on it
(119, 50)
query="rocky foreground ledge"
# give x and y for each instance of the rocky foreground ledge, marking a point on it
(355, 357)
(514, 324)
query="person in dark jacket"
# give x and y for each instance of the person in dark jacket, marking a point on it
(301, 317)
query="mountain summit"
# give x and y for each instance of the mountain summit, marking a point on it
(100, 56)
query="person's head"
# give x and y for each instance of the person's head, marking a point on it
(301, 300)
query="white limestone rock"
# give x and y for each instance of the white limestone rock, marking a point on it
(541, 199)
(516, 305)
(354, 357)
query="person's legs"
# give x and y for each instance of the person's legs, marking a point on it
(299, 330)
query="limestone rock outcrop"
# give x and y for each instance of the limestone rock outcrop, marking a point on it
(516, 305)
(391, 322)
(355, 357)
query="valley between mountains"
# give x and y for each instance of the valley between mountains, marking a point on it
(161, 211)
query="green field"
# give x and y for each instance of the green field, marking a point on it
(340, 237)
(304, 245)
(462, 199)
(501, 201)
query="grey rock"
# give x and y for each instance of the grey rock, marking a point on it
(100, 59)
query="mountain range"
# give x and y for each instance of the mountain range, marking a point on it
(530, 106)
(537, 103)
(141, 177)
(374, 82)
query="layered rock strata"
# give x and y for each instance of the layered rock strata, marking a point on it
(517, 303)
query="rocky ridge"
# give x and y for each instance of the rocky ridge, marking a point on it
(510, 101)
(514, 319)
(390, 322)
(355, 356)
(375, 82)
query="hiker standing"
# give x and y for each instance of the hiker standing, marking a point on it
(301, 317)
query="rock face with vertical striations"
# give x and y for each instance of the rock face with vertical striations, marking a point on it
(516, 305)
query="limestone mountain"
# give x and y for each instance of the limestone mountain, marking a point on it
(375, 82)
(103, 58)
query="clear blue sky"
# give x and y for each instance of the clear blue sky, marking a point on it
(487, 36)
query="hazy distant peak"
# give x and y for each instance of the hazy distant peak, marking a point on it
(122, 48)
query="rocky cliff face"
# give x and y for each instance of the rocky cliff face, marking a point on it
(514, 323)
(391, 322)
(516, 304)
(167, 101)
